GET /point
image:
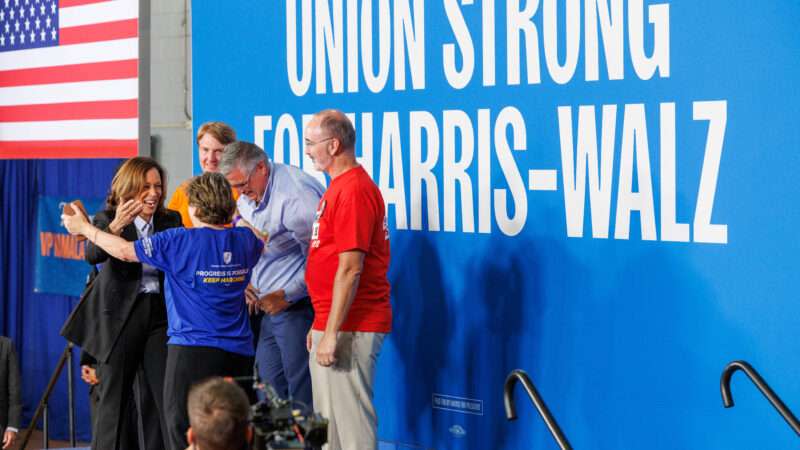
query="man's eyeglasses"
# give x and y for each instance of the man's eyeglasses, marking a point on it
(312, 143)
(240, 186)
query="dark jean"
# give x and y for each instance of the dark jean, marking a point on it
(281, 355)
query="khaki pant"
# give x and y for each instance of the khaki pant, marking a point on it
(343, 392)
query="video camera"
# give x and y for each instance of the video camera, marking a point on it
(280, 426)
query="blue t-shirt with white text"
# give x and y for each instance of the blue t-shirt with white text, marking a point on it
(206, 273)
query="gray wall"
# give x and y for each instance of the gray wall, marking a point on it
(170, 89)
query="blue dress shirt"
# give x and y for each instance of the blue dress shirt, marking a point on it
(286, 212)
(149, 281)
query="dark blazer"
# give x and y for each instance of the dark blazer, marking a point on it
(108, 300)
(10, 404)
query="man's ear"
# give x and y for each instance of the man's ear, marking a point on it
(248, 433)
(334, 147)
(190, 436)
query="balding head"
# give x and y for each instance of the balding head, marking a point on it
(338, 126)
(330, 142)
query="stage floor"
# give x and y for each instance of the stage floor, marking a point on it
(36, 442)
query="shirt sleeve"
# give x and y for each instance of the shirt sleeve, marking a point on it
(301, 212)
(160, 249)
(300, 218)
(354, 222)
(176, 200)
(258, 245)
(180, 203)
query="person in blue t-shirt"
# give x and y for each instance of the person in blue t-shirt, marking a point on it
(207, 269)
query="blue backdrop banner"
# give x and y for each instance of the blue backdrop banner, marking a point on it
(60, 264)
(32, 319)
(600, 192)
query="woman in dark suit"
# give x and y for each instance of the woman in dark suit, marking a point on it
(121, 321)
(10, 404)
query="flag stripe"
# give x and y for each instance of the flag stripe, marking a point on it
(79, 98)
(85, 91)
(107, 31)
(116, 50)
(69, 3)
(97, 13)
(119, 148)
(113, 70)
(70, 129)
(116, 109)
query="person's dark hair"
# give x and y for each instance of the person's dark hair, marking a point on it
(130, 179)
(219, 414)
(339, 126)
(211, 195)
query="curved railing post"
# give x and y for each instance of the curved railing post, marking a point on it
(777, 403)
(541, 407)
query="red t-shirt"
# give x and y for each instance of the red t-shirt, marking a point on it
(351, 216)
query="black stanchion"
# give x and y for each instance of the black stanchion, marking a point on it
(45, 428)
(70, 399)
(42, 407)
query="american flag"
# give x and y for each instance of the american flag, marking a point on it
(69, 82)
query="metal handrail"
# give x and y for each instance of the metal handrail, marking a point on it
(777, 403)
(508, 397)
(66, 358)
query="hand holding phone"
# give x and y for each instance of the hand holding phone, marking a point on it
(75, 207)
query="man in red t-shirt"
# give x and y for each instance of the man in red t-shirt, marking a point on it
(346, 278)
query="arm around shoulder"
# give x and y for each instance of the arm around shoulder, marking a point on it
(95, 254)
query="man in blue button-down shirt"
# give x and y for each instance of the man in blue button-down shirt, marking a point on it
(279, 201)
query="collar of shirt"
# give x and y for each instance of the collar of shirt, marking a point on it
(149, 281)
(140, 226)
(268, 189)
